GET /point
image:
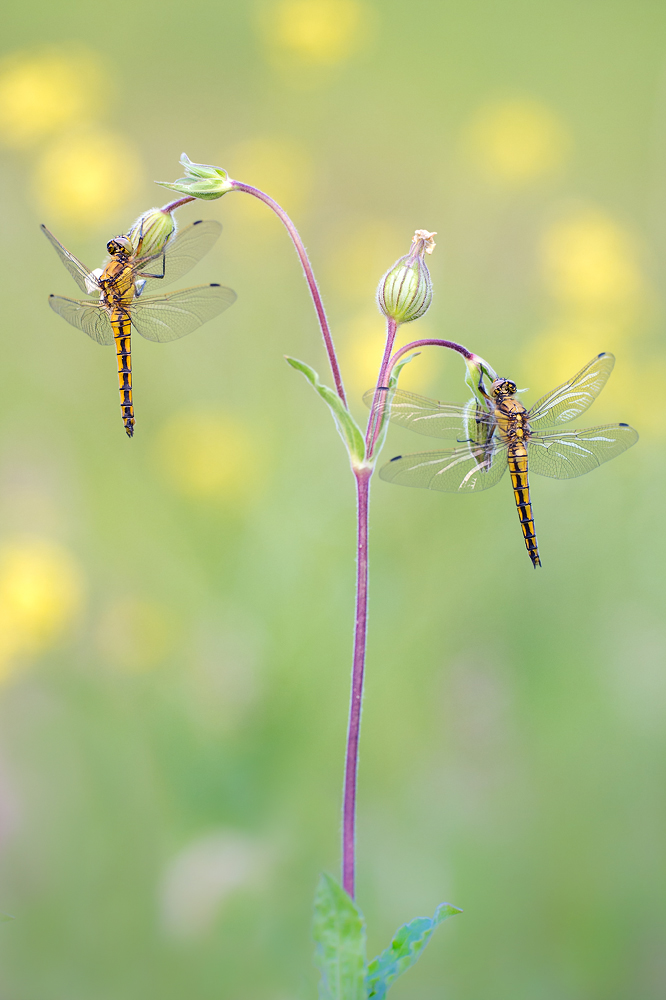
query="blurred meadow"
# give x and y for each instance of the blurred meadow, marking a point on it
(176, 610)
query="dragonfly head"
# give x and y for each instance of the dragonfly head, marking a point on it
(503, 387)
(120, 246)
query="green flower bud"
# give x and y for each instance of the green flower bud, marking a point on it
(151, 231)
(405, 292)
(201, 180)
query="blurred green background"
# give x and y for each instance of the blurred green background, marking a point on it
(176, 611)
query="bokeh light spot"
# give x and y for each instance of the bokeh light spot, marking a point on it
(43, 92)
(517, 141)
(209, 456)
(135, 634)
(198, 881)
(280, 167)
(318, 32)
(41, 591)
(87, 176)
(363, 255)
(590, 260)
(362, 350)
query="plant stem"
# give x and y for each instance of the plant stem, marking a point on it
(353, 733)
(309, 277)
(173, 205)
(451, 344)
(379, 400)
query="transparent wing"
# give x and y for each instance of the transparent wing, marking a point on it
(182, 252)
(436, 419)
(77, 270)
(572, 398)
(90, 317)
(168, 317)
(568, 454)
(458, 470)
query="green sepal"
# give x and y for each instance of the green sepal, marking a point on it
(349, 430)
(404, 950)
(339, 933)
(201, 180)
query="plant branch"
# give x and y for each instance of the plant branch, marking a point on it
(309, 277)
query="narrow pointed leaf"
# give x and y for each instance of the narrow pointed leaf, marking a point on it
(349, 430)
(339, 934)
(403, 952)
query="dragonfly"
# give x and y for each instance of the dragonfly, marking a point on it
(117, 303)
(504, 434)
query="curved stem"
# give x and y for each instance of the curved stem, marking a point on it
(173, 205)
(354, 730)
(309, 277)
(451, 344)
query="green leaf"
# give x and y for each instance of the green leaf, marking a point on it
(403, 952)
(339, 934)
(349, 430)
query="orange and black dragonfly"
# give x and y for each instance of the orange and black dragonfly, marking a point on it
(502, 435)
(119, 303)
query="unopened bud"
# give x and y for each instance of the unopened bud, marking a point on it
(405, 292)
(201, 180)
(151, 231)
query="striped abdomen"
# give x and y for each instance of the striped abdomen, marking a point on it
(521, 489)
(121, 330)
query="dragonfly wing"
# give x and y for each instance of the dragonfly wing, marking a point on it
(77, 270)
(568, 454)
(572, 398)
(168, 317)
(458, 470)
(436, 419)
(182, 252)
(91, 317)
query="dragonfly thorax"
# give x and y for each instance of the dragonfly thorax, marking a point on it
(120, 246)
(503, 387)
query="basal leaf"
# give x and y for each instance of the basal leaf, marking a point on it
(349, 430)
(403, 952)
(339, 934)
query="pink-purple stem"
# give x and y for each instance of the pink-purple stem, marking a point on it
(358, 669)
(363, 477)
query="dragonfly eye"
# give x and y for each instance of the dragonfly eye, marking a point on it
(503, 387)
(118, 246)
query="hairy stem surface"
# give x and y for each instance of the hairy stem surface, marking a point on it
(354, 730)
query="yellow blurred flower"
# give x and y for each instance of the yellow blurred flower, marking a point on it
(135, 634)
(362, 349)
(356, 266)
(316, 32)
(517, 141)
(41, 592)
(87, 176)
(588, 260)
(209, 456)
(278, 166)
(568, 343)
(42, 92)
